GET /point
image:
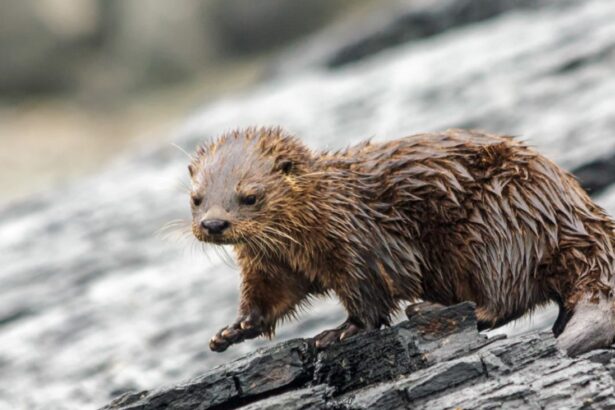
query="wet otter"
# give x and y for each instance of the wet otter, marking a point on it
(440, 217)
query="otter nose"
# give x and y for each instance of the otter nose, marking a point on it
(214, 226)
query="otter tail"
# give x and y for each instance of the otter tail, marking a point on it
(592, 326)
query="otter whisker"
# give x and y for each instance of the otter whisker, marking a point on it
(266, 245)
(176, 224)
(182, 186)
(255, 249)
(183, 151)
(222, 253)
(276, 231)
(270, 243)
(176, 230)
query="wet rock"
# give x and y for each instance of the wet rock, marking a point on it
(421, 19)
(386, 27)
(398, 367)
(267, 371)
(144, 55)
(376, 356)
(554, 382)
(597, 175)
(41, 44)
(440, 334)
(245, 26)
(302, 399)
(431, 381)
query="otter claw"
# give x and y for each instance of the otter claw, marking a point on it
(328, 337)
(241, 330)
(351, 330)
(218, 344)
(246, 324)
(227, 333)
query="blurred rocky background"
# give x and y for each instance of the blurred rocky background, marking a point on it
(81, 80)
(101, 288)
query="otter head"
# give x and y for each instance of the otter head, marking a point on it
(245, 187)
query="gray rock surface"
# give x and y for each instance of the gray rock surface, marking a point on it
(384, 27)
(95, 301)
(435, 360)
(245, 26)
(37, 52)
(596, 176)
(263, 372)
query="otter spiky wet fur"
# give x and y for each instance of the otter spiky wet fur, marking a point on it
(440, 217)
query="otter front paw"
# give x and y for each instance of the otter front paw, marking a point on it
(244, 328)
(344, 331)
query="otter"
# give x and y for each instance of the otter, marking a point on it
(440, 217)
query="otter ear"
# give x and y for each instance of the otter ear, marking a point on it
(191, 170)
(285, 166)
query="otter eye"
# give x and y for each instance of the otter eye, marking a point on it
(248, 200)
(286, 166)
(196, 200)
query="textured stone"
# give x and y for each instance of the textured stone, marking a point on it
(264, 371)
(426, 382)
(370, 358)
(444, 333)
(247, 26)
(597, 175)
(383, 355)
(553, 383)
(419, 364)
(308, 398)
(386, 27)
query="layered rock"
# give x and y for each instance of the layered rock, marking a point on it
(437, 359)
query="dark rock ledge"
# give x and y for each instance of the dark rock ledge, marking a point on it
(435, 360)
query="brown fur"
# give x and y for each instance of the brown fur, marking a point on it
(441, 217)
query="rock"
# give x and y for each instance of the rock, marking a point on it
(377, 356)
(438, 335)
(597, 175)
(301, 399)
(263, 372)
(244, 26)
(398, 367)
(385, 27)
(143, 53)
(96, 300)
(105, 49)
(547, 380)
(420, 384)
(38, 53)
